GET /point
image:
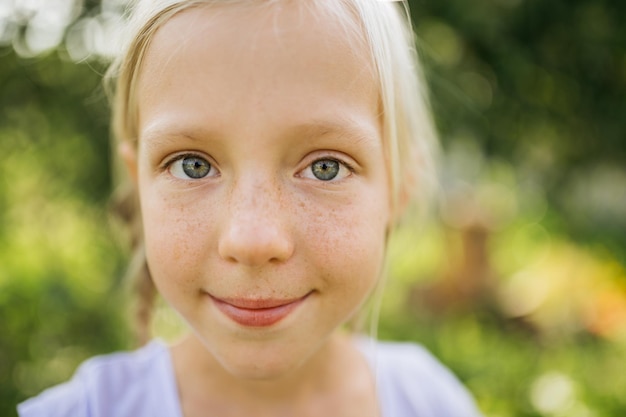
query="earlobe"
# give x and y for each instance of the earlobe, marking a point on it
(128, 155)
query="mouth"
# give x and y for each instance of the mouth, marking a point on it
(257, 312)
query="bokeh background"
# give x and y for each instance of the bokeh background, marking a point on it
(518, 283)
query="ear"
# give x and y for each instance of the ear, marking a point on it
(128, 155)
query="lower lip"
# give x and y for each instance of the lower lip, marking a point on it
(257, 317)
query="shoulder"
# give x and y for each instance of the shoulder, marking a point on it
(413, 382)
(109, 385)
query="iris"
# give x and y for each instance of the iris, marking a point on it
(195, 167)
(325, 169)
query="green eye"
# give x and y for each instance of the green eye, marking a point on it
(195, 167)
(325, 169)
(190, 167)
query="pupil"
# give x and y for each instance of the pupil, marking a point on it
(325, 169)
(196, 167)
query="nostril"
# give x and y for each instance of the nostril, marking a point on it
(255, 244)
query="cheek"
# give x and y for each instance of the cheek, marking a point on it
(341, 240)
(348, 243)
(175, 238)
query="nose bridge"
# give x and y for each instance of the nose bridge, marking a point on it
(255, 231)
(253, 198)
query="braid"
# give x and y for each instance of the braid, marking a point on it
(145, 294)
(125, 208)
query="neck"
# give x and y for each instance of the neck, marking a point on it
(201, 376)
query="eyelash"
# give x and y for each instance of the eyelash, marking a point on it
(167, 165)
(341, 162)
(348, 166)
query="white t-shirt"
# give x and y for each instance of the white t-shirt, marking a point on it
(410, 383)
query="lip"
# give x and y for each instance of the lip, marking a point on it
(256, 312)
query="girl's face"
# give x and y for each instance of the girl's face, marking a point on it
(262, 180)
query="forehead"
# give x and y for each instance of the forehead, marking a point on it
(297, 23)
(287, 48)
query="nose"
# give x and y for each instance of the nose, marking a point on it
(255, 231)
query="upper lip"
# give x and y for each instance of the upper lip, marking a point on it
(257, 303)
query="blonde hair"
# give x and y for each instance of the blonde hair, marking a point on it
(408, 131)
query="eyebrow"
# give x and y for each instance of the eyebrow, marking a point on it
(166, 134)
(346, 129)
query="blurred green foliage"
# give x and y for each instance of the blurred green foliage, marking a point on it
(540, 84)
(59, 264)
(529, 98)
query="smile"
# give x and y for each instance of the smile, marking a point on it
(256, 312)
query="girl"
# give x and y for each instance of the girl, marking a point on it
(273, 145)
